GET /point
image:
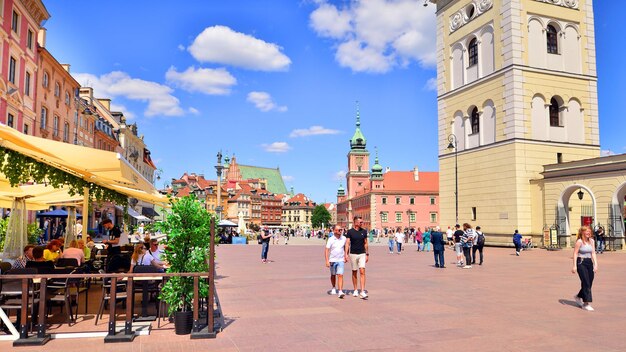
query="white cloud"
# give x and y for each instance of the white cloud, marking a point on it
(276, 147)
(606, 153)
(340, 175)
(121, 108)
(263, 101)
(378, 35)
(119, 84)
(181, 47)
(204, 80)
(431, 84)
(287, 178)
(222, 45)
(194, 111)
(312, 131)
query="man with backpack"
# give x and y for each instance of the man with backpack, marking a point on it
(479, 243)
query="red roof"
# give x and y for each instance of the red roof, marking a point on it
(405, 181)
(185, 191)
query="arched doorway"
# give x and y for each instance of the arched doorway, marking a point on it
(585, 213)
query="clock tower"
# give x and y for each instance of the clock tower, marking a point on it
(357, 178)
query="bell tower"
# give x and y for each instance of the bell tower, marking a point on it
(517, 90)
(357, 177)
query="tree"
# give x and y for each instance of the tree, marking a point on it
(320, 217)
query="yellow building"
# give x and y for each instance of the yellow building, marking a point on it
(517, 90)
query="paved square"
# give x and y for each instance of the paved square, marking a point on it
(509, 304)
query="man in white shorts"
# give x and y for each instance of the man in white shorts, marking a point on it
(358, 251)
(335, 259)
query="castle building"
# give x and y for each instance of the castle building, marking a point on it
(398, 199)
(517, 107)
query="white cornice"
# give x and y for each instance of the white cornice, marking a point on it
(572, 4)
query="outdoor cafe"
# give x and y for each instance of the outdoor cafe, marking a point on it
(102, 292)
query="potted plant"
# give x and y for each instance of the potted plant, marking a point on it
(188, 228)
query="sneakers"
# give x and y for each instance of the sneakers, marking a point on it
(364, 296)
(341, 294)
(355, 293)
(517, 254)
(579, 301)
(333, 291)
(588, 308)
(467, 267)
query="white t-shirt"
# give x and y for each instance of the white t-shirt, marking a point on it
(399, 236)
(145, 259)
(337, 248)
(449, 233)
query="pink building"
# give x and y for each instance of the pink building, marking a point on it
(399, 199)
(19, 27)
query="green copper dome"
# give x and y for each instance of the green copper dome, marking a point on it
(377, 168)
(341, 191)
(358, 141)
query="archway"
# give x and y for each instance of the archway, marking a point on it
(565, 212)
(616, 214)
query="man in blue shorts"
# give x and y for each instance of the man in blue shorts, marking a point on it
(335, 259)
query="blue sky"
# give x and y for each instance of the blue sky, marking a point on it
(275, 82)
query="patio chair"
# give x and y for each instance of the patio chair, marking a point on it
(11, 292)
(5, 267)
(106, 296)
(67, 263)
(68, 292)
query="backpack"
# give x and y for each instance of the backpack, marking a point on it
(481, 239)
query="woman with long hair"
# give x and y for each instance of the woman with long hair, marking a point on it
(586, 264)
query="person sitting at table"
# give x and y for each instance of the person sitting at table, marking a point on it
(141, 256)
(27, 256)
(156, 252)
(42, 265)
(74, 252)
(52, 251)
(86, 250)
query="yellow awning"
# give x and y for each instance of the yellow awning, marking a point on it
(38, 197)
(93, 165)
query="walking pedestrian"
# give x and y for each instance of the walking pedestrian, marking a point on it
(517, 241)
(457, 245)
(468, 240)
(439, 246)
(391, 234)
(265, 245)
(600, 242)
(586, 264)
(335, 259)
(479, 244)
(399, 237)
(418, 238)
(357, 249)
(449, 234)
(426, 237)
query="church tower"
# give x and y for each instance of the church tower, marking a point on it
(517, 90)
(357, 177)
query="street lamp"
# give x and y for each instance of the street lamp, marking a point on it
(454, 145)
(580, 194)
(218, 169)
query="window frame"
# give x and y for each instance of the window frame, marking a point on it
(433, 201)
(398, 200)
(433, 217)
(44, 118)
(383, 200)
(10, 119)
(57, 89)
(12, 68)
(29, 39)
(555, 113)
(398, 216)
(45, 81)
(15, 22)
(55, 126)
(552, 40)
(472, 52)
(27, 78)
(475, 121)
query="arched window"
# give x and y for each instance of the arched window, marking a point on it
(474, 120)
(473, 52)
(554, 113)
(552, 40)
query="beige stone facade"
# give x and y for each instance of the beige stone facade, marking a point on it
(511, 112)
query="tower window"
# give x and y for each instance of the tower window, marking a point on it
(554, 113)
(475, 121)
(473, 52)
(552, 40)
(473, 213)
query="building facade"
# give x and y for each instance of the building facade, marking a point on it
(20, 27)
(517, 90)
(297, 212)
(392, 199)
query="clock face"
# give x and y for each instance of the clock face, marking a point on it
(359, 161)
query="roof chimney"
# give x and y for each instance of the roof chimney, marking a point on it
(416, 174)
(106, 103)
(66, 67)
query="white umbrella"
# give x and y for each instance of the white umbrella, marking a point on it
(241, 225)
(16, 236)
(226, 223)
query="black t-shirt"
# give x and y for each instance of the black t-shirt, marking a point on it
(357, 240)
(265, 240)
(457, 235)
(114, 233)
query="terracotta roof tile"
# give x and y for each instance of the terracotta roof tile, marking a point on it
(185, 191)
(405, 181)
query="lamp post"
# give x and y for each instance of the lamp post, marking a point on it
(218, 169)
(454, 145)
